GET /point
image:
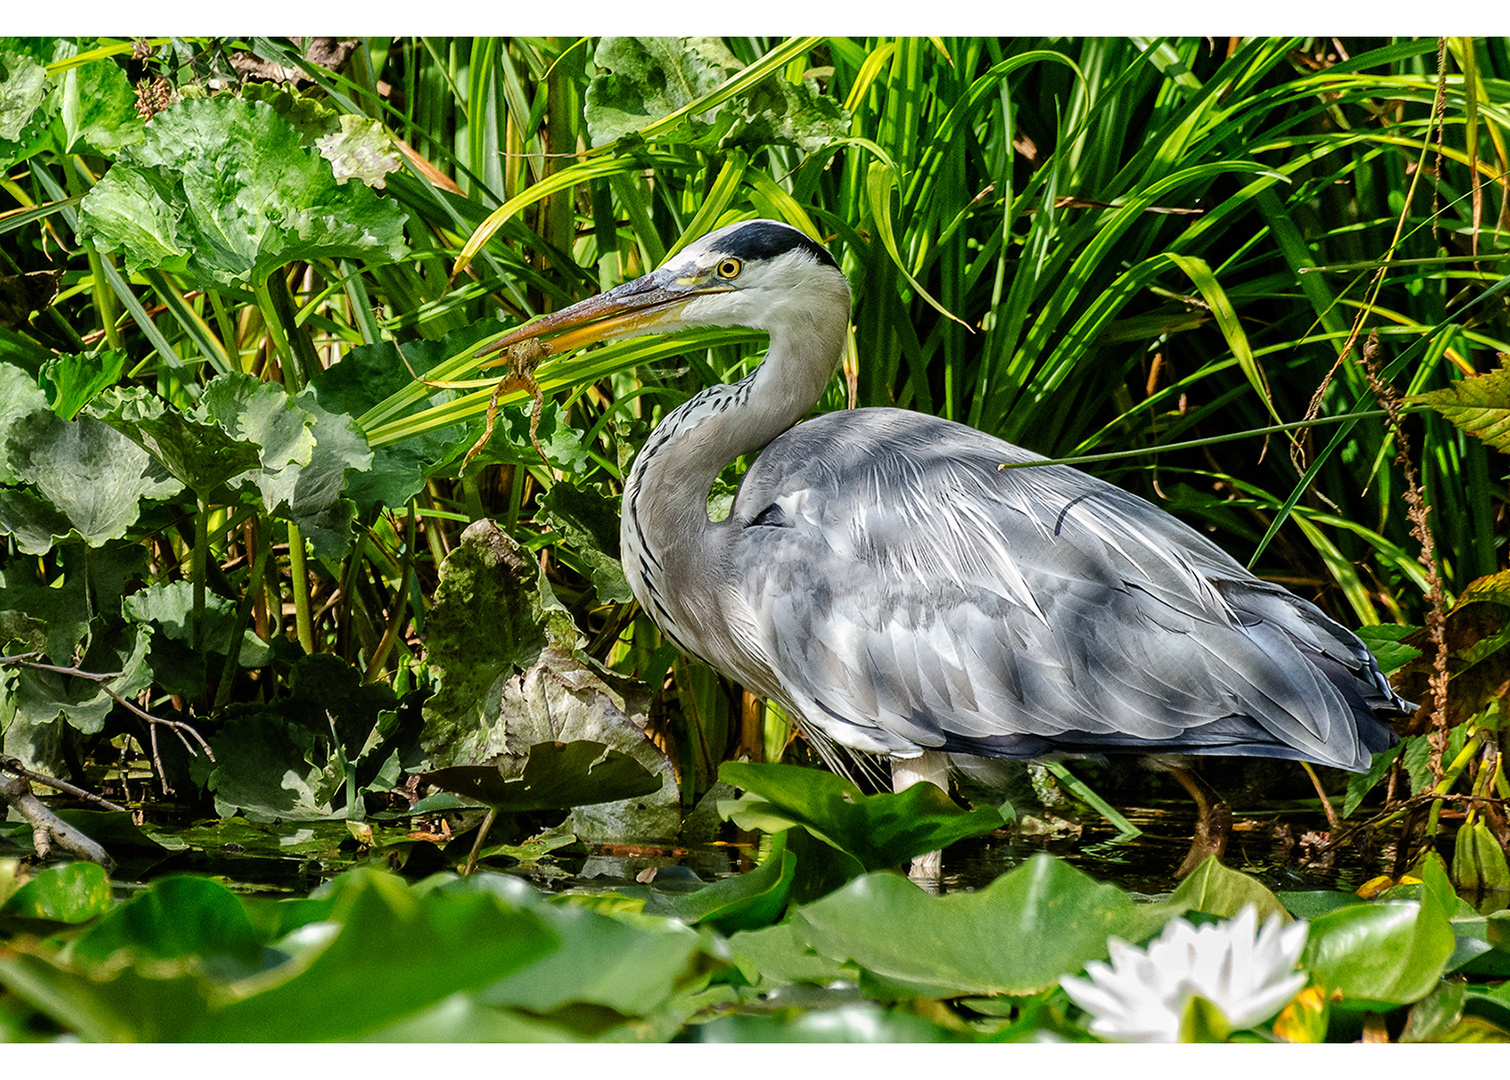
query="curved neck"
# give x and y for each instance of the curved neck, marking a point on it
(665, 513)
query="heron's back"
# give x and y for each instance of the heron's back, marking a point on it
(885, 578)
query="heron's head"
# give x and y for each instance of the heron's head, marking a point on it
(760, 274)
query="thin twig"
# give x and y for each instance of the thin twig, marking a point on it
(103, 679)
(14, 765)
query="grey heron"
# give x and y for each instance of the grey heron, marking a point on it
(897, 592)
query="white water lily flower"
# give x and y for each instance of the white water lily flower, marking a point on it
(1142, 994)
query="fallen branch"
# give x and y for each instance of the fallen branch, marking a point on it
(46, 827)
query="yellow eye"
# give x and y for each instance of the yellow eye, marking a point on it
(729, 268)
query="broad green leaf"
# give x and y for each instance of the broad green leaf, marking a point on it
(355, 146)
(1480, 405)
(179, 923)
(97, 110)
(199, 454)
(780, 954)
(633, 965)
(23, 86)
(261, 413)
(878, 830)
(61, 613)
(74, 892)
(643, 79)
(556, 776)
(1016, 936)
(94, 477)
(19, 396)
(226, 190)
(313, 495)
(434, 945)
(1386, 642)
(290, 758)
(367, 375)
(41, 697)
(1385, 954)
(71, 380)
(168, 606)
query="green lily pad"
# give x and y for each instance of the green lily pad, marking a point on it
(72, 893)
(742, 902)
(179, 923)
(1380, 955)
(877, 830)
(862, 1022)
(1216, 890)
(1016, 936)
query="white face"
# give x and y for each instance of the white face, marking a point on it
(764, 293)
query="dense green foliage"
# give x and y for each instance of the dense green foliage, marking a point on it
(1261, 282)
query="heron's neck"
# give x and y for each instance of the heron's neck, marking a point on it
(666, 495)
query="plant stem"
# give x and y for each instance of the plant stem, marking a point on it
(298, 571)
(201, 569)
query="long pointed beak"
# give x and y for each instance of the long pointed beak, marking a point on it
(635, 307)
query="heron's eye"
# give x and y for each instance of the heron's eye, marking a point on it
(729, 268)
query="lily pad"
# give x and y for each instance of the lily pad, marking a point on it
(1216, 890)
(742, 902)
(1016, 936)
(1380, 955)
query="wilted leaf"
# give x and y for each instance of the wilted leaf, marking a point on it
(488, 619)
(1479, 404)
(556, 776)
(224, 189)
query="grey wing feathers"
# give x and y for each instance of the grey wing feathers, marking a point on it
(911, 595)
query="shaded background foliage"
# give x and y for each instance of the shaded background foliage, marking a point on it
(243, 280)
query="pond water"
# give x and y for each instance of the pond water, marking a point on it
(1276, 844)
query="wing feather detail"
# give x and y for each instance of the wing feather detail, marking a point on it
(918, 596)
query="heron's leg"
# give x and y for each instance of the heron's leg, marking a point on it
(1213, 819)
(933, 767)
